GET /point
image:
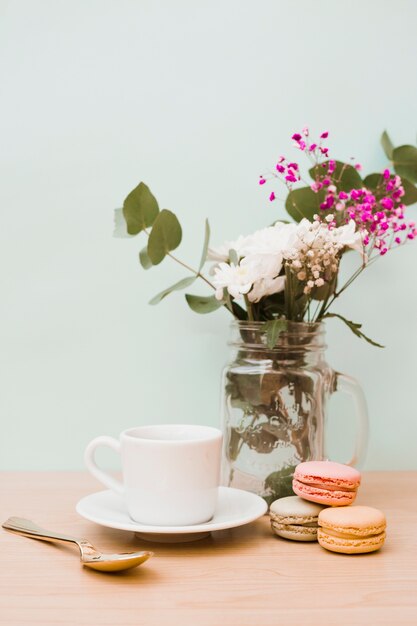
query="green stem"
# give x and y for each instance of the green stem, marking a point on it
(191, 269)
(249, 309)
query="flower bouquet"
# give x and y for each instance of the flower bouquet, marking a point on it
(279, 283)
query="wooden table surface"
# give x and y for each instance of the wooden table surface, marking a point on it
(240, 577)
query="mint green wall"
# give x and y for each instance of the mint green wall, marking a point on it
(197, 99)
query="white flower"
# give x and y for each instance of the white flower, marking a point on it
(271, 240)
(266, 287)
(262, 265)
(235, 278)
(222, 252)
(348, 236)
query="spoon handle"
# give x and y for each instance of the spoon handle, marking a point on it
(30, 529)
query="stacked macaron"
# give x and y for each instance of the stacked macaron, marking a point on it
(326, 482)
(321, 510)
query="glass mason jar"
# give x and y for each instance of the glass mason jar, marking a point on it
(274, 406)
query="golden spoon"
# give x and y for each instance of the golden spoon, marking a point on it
(90, 557)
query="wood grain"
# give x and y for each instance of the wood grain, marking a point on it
(240, 577)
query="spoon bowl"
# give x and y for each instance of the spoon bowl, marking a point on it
(89, 555)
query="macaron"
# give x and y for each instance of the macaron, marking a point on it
(295, 518)
(326, 482)
(352, 529)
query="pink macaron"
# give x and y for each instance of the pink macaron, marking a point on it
(326, 482)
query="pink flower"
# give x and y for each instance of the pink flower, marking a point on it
(272, 197)
(332, 166)
(280, 168)
(324, 151)
(291, 178)
(316, 186)
(312, 147)
(296, 137)
(293, 166)
(305, 131)
(397, 240)
(262, 180)
(387, 203)
(343, 195)
(386, 174)
(358, 167)
(324, 135)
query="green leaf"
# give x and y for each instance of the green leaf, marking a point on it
(404, 160)
(273, 330)
(355, 328)
(165, 236)
(410, 196)
(387, 145)
(303, 202)
(373, 181)
(181, 284)
(233, 257)
(279, 484)
(120, 226)
(205, 246)
(203, 304)
(144, 258)
(345, 176)
(140, 209)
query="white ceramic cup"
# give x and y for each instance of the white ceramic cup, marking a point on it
(171, 473)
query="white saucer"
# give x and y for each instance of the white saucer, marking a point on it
(235, 507)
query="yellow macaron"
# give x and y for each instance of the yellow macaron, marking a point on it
(351, 529)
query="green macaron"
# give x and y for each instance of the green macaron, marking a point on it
(295, 518)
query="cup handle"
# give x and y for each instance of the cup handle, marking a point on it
(350, 386)
(103, 477)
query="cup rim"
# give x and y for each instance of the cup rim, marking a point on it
(212, 434)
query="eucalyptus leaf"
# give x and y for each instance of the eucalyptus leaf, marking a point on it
(279, 484)
(205, 246)
(120, 226)
(387, 145)
(373, 181)
(355, 328)
(410, 196)
(303, 202)
(273, 330)
(140, 209)
(404, 160)
(181, 284)
(345, 176)
(203, 304)
(165, 236)
(144, 258)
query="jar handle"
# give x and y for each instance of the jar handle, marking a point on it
(350, 386)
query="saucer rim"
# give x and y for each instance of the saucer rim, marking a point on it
(209, 526)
